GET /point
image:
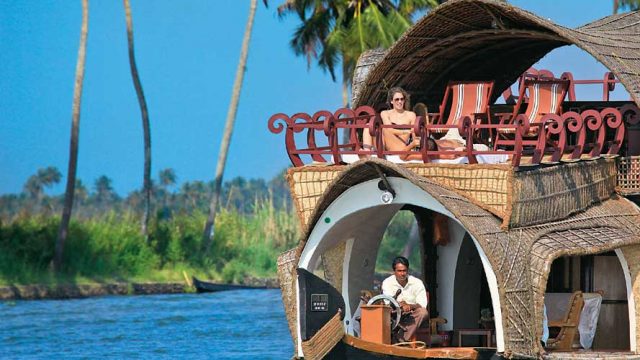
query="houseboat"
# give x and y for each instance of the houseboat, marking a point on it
(534, 218)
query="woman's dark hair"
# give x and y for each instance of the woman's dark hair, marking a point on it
(400, 260)
(397, 89)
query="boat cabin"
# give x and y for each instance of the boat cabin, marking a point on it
(527, 234)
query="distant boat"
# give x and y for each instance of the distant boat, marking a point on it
(205, 286)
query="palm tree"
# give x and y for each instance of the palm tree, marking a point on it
(34, 187)
(81, 193)
(167, 177)
(104, 193)
(333, 31)
(146, 182)
(42, 178)
(632, 5)
(63, 230)
(207, 235)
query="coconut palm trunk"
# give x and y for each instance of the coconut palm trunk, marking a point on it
(146, 181)
(207, 236)
(63, 230)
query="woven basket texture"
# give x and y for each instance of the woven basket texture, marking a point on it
(324, 340)
(287, 263)
(488, 186)
(489, 40)
(553, 193)
(628, 175)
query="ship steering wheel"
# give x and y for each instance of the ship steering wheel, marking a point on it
(394, 304)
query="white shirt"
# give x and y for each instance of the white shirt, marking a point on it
(412, 293)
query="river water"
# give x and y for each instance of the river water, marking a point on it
(239, 324)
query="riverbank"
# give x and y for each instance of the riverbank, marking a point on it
(75, 291)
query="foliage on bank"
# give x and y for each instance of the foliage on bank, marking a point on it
(111, 248)
(256, 222)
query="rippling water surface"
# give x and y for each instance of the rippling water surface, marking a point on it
(236, 324)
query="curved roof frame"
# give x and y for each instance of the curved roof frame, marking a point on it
(491, 40)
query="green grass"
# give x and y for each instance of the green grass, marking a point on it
(111, 248)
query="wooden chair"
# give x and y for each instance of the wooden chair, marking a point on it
(565, 322)
(468, 98)
(544, 96)
(429, 333)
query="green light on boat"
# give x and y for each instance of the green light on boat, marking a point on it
(327, 220)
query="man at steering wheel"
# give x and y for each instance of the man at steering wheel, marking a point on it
(411, 295)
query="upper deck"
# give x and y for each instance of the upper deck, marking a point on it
(576, 157)
(562, 152)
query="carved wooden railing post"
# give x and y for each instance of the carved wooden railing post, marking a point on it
(614, 121)
(554, 125)
(572, 123)
(594, 123)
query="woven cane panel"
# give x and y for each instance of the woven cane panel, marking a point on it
(324, 340)
(628, 175)
(486, 186)
(549, 194)
(518, 304)
(307, 185)
(287, 262)
(332, 261)
(632, 255)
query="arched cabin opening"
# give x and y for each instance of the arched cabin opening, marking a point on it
(603, 319)
(358, 235)
(444, 256)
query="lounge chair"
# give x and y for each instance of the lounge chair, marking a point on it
(544, 96)
(468, 98)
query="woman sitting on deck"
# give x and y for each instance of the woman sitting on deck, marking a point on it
(403, 139)
(399, 114)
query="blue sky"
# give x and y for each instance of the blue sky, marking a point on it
(186, 52)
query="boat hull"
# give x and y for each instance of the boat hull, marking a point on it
(353, 348)
(205, 286)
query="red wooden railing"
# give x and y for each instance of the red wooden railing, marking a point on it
(608, 83)
(568, 136)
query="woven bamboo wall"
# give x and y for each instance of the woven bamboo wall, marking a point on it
(519, 198)
(287, 263)
(488, 186)
(307, 186)
(628, 175)
(554, 193)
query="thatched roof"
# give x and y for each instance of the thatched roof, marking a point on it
(520, 257)
(490, 40)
